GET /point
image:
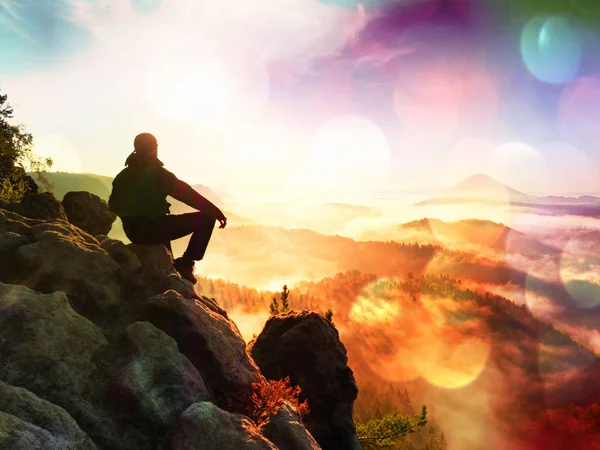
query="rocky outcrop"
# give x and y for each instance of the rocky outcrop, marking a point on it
(50, 350)
(33, 423)
(286, 430)
(104, 346)
(152, 382)
(17, 434)
(209, 340)
(88, 212)
(147, 269)
(37, 206)
(122, 254)
(306, 347)
(50, 256)
(204, 426)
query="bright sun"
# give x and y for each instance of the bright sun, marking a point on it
(198, 92)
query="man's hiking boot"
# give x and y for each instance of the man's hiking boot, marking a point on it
(185, 269)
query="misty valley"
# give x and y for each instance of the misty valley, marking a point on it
(494, 326)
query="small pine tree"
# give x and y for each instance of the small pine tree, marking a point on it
(285, 305)
(275, 308)
(329, 315)
(381, 433)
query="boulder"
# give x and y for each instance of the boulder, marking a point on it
(49, 422)
(50, 350)
(286, 430)
(204, 426)
(40, 334)
(156, 260)
(88, 212)
(62, 260)
(148, 269)
(154, 384)
(37, 206)
(48, 256)
(121, 253)
(209, 340)
(306, 347)
(10, 241)
(17, 434)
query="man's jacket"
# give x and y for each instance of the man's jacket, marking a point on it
(141, 189)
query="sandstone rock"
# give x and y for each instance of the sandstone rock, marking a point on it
(88, 212)
(157, 384)
(286, 430)
(203, 426)
(55, 255)
(49, 349)
(38, 206)
(306, 347)
(130, 262)
(62, 431)
(147, 269)
(210, 341)
(16, 434)
(11, 241)
(158, 274)
(156, 260)
(44, 344)
(10, 221)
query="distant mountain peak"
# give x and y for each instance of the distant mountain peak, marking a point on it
(485, 184)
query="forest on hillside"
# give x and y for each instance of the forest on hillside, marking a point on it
(430, 339)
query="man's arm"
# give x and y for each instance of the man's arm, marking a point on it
(183, 192)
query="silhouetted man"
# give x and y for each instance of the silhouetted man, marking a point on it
(139, 198)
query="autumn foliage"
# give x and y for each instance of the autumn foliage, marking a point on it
(574, 426)
(265, 399)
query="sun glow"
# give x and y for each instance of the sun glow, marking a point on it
(432, 338)
(197, 92)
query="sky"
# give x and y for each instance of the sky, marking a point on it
(314, 98)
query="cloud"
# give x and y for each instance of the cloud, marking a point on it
(275, 29)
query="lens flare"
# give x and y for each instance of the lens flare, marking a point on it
(430, 107)
(386, 331)
(552, 49)
(257, 146)
(560, 361)
(572, 166)
(146, 6)
(208, 88)
(454, 363)
(373, 311)
(64, 155)
(348, 153)
(580, 275)
(520, 166)
(579, 111)
(469, 156)
(457, 345)
(410, 336)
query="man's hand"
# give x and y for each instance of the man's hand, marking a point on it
(223, 222)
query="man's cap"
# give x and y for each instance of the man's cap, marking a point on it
(144, 142)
